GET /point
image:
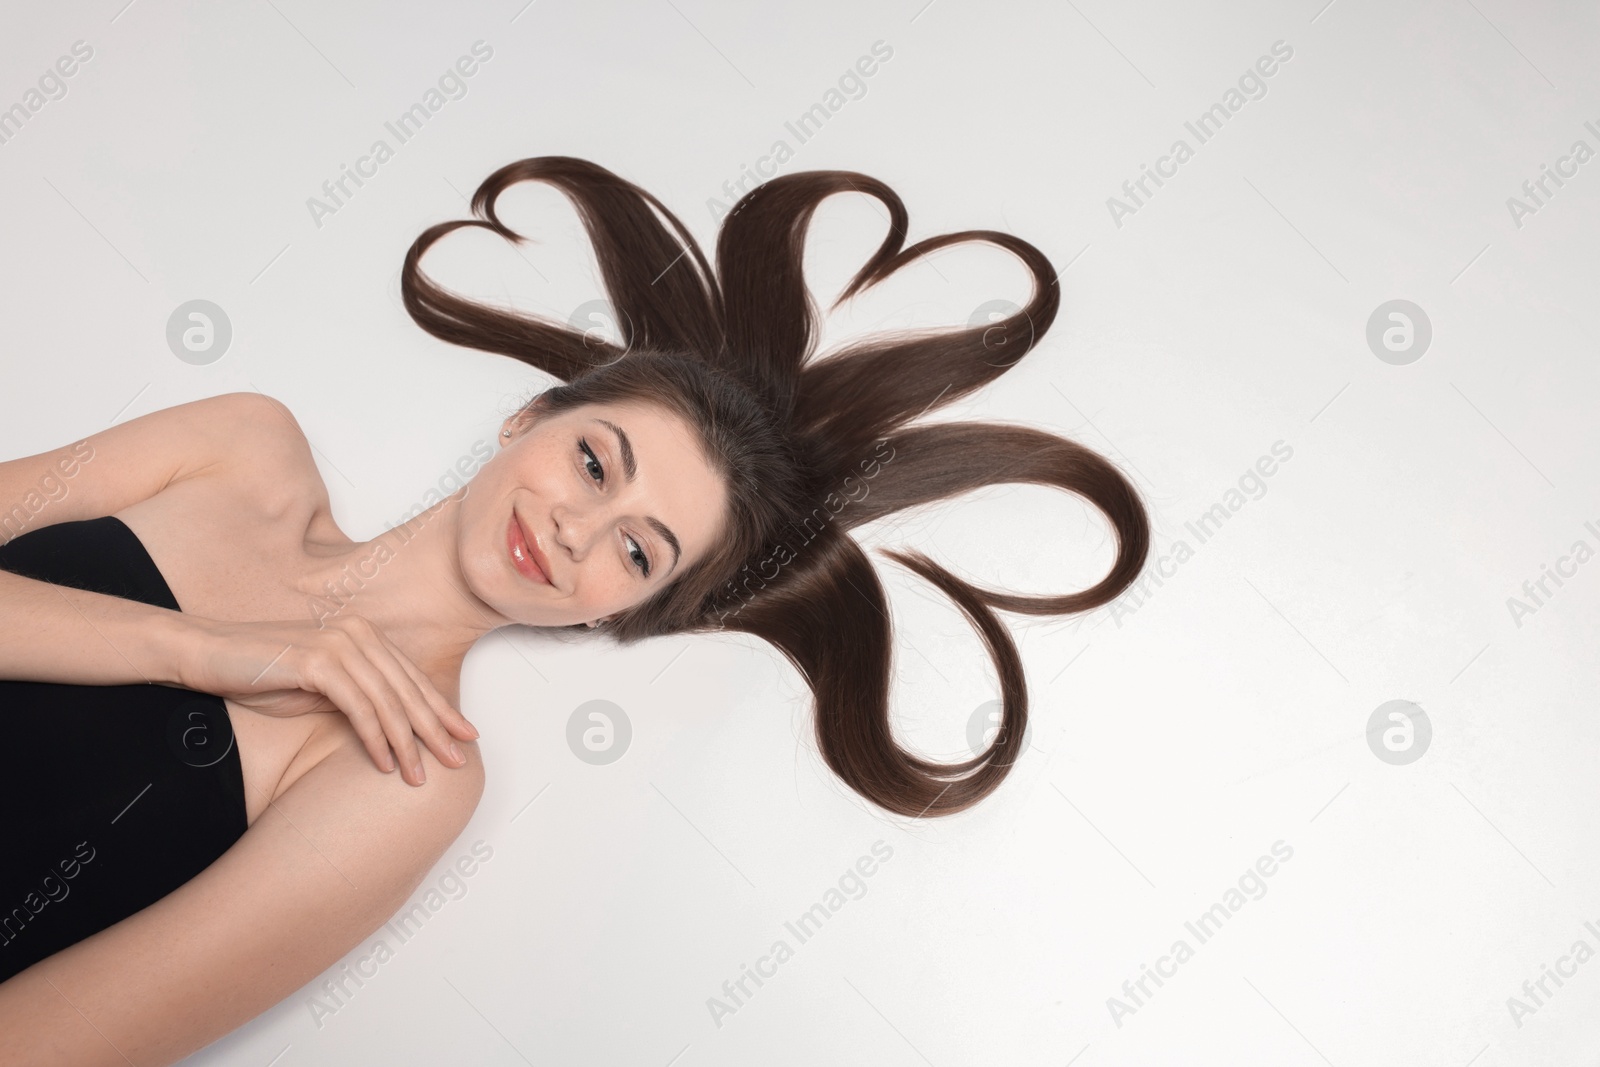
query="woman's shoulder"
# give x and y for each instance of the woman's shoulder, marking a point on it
(241, 438)
(246, 446)
(267, 452)
(342, 851)
(447, 797)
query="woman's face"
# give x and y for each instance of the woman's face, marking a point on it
(555, 530)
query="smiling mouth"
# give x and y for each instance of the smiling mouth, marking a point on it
(523, 553)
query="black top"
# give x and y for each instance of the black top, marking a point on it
(112, 796)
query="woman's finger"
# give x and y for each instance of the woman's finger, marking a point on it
(432, 714)
(332, 681)
(420, 718)
(387, 706)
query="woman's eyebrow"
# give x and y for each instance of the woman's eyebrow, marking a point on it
(630, 470)
(630, 466)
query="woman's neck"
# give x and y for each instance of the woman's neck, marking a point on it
(407, 581)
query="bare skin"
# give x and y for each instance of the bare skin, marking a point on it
(444, 579)
(333, 846)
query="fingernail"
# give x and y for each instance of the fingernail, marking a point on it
(456, 752)
(474, 730)
(419, 772)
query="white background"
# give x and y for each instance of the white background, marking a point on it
(1174, 739)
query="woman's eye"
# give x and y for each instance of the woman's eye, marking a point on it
(596, 472)
(640, 560)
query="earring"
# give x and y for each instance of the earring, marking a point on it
(505, 433)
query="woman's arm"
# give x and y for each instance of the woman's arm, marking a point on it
(319, 871)
(134, 460)
(53, 634)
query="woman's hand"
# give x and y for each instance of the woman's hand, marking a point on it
(344, 664)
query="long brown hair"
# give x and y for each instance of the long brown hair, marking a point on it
(796, 440)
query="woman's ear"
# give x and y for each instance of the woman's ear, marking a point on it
(514, 424)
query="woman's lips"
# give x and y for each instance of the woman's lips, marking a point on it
(517, 544)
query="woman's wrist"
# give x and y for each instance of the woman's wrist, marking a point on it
(168, 646)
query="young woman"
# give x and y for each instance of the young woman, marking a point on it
(191, 851)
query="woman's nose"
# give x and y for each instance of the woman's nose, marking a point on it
(573, 529)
